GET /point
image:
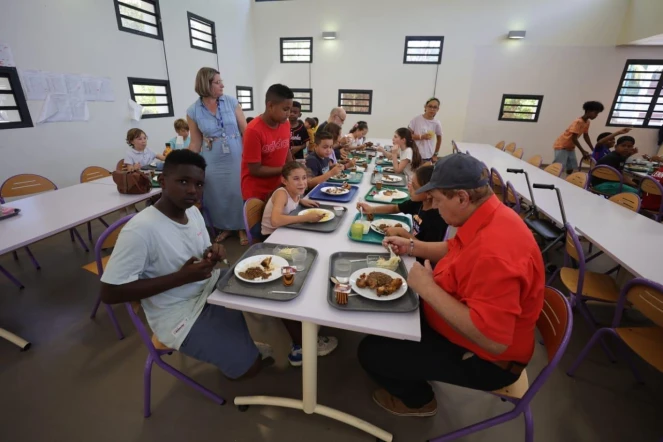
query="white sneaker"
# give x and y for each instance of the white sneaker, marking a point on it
(326, 345)
(264, 349)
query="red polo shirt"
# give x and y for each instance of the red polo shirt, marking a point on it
(495, 268)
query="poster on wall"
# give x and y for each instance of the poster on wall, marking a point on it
(6, 56)
(38, 84)
(63, 107)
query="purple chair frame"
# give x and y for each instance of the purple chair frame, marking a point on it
(602, 332)
(515, 206)
(657, 216)
(592, 164)
(522, 406)
(493, 172)
(100, 271)
(604, 166)
(154, 357)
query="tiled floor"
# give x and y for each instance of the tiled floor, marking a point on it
(79, 383)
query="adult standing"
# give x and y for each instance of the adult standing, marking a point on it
(424, 128)
(217, 123)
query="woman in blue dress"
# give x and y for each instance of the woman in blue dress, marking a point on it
(217, 123)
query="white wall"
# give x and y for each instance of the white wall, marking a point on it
(369, 51)
(81, 36)
(565, 76)
(643, 19)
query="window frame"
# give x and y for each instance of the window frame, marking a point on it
(356, 91)
(11, 73)
(249, 89)
(409, 38)
(206, 22)
(658, 94)
(286, 39)
(157, 15)
(152, 82)
(521, 97)
(304, 90)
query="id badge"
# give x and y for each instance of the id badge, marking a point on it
(225, 147)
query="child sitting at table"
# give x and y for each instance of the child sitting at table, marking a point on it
(139, 155)
(404, 154)
(617, 159)
(357, 135)
(285, 199)
(182, 130)
(427, 223)
(311, 126)
(606, 141)
(319, 164)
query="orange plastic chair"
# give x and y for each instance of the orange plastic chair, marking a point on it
(120, 164)
(253, 210)
(536, 160)
(554, 169)
(627, 199)
(510, 148)
(650, 186)
(518, 153)
(92, 173)
(500, 145)
(606, 173)
(580, 179)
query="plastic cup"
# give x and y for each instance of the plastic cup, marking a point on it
(357, 230)
(299, 258)
(342, 270)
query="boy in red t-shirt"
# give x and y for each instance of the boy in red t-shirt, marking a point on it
(267, 145)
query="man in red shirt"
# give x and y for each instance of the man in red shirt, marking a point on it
(267, 145)
(479, 305)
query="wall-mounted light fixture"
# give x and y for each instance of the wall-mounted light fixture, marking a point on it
(516, 35)
(329, 35)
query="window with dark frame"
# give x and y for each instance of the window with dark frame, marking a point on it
(305, 97)
(245, 97)
(14, 113)
(140, 17)
(356, 101)
(153, 95)
(297, 50)
(423, 50)
(639, 99)
(202, 33)
(525, 108)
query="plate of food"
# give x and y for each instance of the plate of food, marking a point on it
(378, 284)
(391, 179)
(379, 225)
(328, 214)
(393, 193)
(336, 190)
(260, 268)
(341, 177)
(388, 169)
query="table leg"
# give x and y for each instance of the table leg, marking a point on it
(309, 404)
(16, 340)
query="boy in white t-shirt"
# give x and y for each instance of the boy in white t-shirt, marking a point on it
(427, 131)
(164, 259)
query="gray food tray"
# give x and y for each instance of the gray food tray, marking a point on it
(230, 284)
(407, 303)
(327, 227)
(402, 183)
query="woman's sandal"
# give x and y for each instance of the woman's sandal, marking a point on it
(243, 240)
(222, 236)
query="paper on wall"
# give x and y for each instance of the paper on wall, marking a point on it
(106, 90)
(34, 84)
(6, 56)
(75, 87)
(56, 83)
(92, 86)
(62, 107)
(135, 111)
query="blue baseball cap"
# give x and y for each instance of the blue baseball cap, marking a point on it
(456, 171)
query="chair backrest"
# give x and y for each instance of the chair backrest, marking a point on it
(555, 324)
(651, 186)
(518, 153)
(108, 239)
(606, 173)
(644, 295)
(536, 160)
(25, 184)
(574, 252)
(497, 183)
(588, 161)
(512, 197)
(510, 148)
(580, 179)
(93, 173)
(554, 169)
(627, 199)
(500, 145)
(253, 209)
(120, 164)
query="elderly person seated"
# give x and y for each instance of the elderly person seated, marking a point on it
(479, 305)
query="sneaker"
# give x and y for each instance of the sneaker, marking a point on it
(264, 349)
(395, 406)
(326, 345)
(295, 355)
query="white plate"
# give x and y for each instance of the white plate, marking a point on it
(396, 194)
(391, 178)
(391, 222)
(276, 264)
(371, 294)
(329, 215)
(388, 169)
(327, 190)
(341, 177)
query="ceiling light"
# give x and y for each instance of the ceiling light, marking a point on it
(516, 35)
(329, 35)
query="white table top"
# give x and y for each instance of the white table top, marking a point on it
(108, 181)
(631, 239)
(311, 305)
(49, 213)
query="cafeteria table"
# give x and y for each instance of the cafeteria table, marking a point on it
(312, 309)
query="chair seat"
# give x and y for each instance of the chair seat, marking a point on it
(158, 344)
(516, 390)
(92, 267)
(596, 285)
(646, 342)
(544, 228)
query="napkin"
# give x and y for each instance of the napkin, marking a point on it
(384, 198)
(361, 169)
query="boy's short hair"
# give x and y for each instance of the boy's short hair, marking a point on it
(134, 133)
(181, 124)
(593, 106)
(278, 93)
(184, 157)
(323, 135)
(316, 120)
(311, 122)
(603, 135)
(297, 104)
(625, 139)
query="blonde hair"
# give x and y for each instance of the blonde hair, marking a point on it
(181, 124)
(134, 133)
(204, 79)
